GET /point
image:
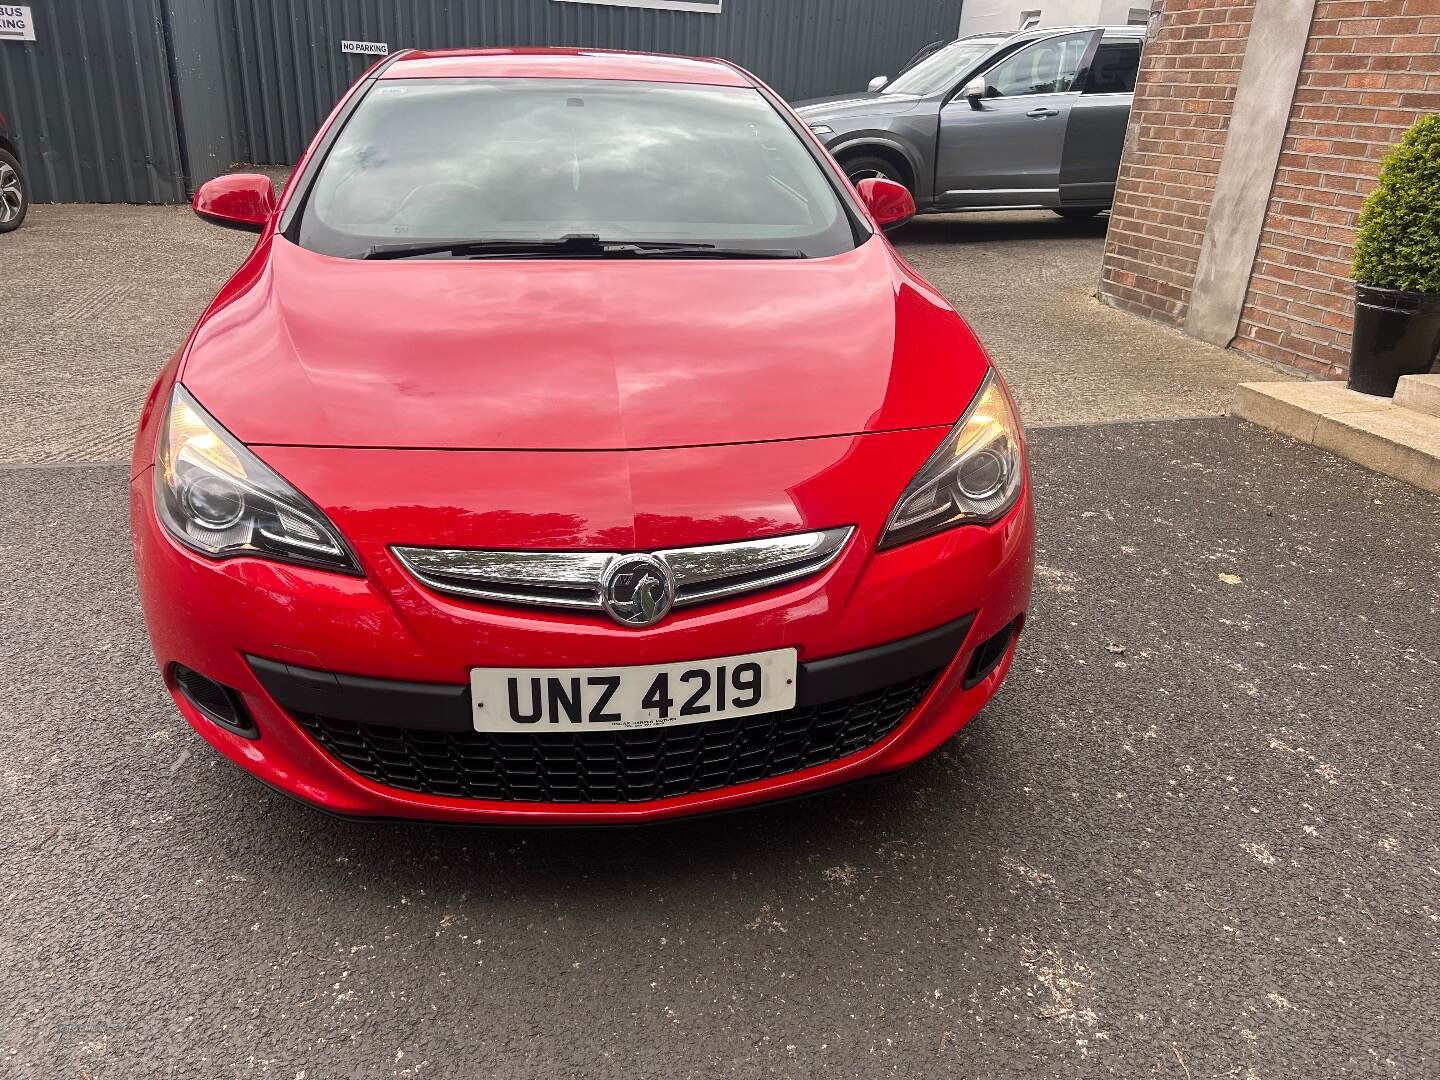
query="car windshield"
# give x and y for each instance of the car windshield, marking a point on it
(942, 70)
(440, 160)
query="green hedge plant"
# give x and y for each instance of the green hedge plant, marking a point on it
(1398, 245)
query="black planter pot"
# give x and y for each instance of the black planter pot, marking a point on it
(1396, 333)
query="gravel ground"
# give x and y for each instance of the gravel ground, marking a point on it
(93, 300)
(1026, 281)
(97, 298)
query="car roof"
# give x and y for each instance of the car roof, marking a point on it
(1037, 32)
(562, 64)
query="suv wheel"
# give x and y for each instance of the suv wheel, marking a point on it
(14, 199)
(871, 168)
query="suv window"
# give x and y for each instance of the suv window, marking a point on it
(1047, 67)
(940, 70)
(1114, 69)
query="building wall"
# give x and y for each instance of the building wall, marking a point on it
(289, 68)
(989, 16)
(1178, 124)
(1370, 69)
(90, 105)
(142, 100)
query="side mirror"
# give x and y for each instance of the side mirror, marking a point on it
(889, 203)
(242, 201)
(878, 83)
(974, 91)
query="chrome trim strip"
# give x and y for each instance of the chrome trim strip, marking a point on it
(758, 564)
(700, 596)
(571, 579)
(1002, 191)
(511, 577)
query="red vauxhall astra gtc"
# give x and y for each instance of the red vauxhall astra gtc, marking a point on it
(574, 447)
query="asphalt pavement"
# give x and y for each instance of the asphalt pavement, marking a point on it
(1194, 836)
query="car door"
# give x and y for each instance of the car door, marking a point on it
(1095, 136)
(1004, 147)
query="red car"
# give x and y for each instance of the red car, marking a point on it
(573, 447)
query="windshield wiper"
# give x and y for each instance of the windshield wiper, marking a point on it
(708, 251)
(581, 245)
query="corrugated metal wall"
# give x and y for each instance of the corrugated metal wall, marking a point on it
(94, 100)
(90, 102)
(291, 70)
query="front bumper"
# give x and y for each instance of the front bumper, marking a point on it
(351, 682)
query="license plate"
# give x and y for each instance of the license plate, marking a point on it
(627, 698)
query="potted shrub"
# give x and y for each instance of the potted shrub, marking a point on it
(1397, 267)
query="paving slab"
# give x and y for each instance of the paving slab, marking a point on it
(1376, 432)
(1419, 392)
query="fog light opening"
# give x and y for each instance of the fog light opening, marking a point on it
(989, 653)
(220, 704)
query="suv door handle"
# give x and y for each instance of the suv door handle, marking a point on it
(1042, 112)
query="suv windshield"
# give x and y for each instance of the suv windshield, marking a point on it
(942, 70)
(440, 160)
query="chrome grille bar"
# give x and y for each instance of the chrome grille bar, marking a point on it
(571, 579)
(710, 573)
(563, 579)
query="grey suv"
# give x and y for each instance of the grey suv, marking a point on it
(1033, 119)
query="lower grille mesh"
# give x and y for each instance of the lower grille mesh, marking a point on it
(616, 766)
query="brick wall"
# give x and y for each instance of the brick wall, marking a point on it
(1173, 151)
(1371, 68)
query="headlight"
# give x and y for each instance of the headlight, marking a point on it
(974, 478)
(216, 497)
(821, 129)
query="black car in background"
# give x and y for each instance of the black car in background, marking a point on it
(14, 195)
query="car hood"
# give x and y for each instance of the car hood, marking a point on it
(303, 349)
(842, 105)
